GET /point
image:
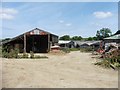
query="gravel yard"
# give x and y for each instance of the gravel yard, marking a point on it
(73, 70)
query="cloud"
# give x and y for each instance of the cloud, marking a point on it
(6, 16)
(102, 15)
(97, 24)
(61, 21)
(68, 24)
(7, 13)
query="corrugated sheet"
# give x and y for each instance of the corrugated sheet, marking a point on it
(63, 42)
(114, 37)
(32, 32)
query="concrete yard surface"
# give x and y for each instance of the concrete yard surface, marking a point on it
(72, 70)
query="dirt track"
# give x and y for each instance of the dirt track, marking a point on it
(74, 70)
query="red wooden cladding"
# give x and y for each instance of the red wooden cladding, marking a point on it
(43, 33)
(40, 33)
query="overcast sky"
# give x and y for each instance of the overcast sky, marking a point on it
(60, 18)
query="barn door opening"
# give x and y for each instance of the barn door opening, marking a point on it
(38, 43)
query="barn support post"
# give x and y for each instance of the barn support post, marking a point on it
(48, 42)
(24, 43)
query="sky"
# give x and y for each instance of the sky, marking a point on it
(60, 18)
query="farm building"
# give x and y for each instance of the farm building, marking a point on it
(113, 40)
(84, 44)
(79, 44)
(66, 44)
(36, 40)
(118, 32)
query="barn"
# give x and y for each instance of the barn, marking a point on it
(36, 40)
(66, 44)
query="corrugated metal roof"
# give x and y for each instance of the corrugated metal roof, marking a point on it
(118, 32)
(63, 42)
(86, 42)
(26, 33)
(114, 37)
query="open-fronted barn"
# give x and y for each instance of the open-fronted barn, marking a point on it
(113, 40)
(66, 44)
(36, 40)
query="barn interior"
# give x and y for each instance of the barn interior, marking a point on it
(37, 43)
(36, 40)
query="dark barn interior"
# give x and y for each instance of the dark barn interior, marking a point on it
(37, 43)
(36, 40)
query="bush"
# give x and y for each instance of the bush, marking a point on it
(38, 57)
(117, 65)
(74, 49)
(111, 60)
(87, 49)
(31, 54)
(25, 55)
(66, 50)
(13, 53)
(5, 54)
(104, 63)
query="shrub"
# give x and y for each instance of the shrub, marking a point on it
(104, 63)
(25, 55)
(31, 54)
(5, 54)
(12, 54)
(74, 49)
(38, 57)
(111, 59)
(66, 50)
(87, 49)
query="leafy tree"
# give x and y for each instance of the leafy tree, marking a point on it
(103, 33)
(90, 38)
(6, 39)
(65, 37)
(95, 38)
(76, 38)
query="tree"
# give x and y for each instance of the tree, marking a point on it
(90, 38)
(6, 39)
(76, 38)
(65, 37)
(95, 38)
(103, 33)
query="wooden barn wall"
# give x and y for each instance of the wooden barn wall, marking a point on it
(53, 38)
(19, 42)
(112, 40)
